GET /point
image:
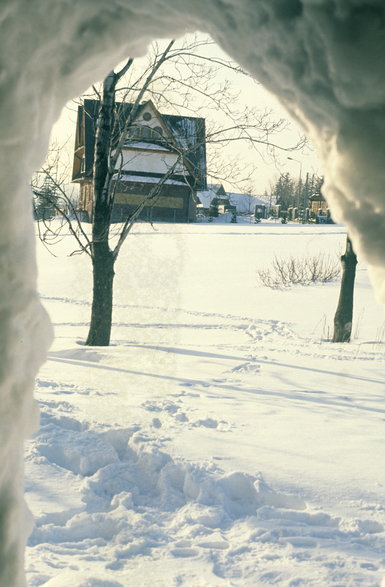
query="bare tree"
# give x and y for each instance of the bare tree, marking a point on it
(174, 76)
(54, 198)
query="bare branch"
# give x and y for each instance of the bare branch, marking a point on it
(73, 210)
(150, 198)
(136, 105)
(124, 69)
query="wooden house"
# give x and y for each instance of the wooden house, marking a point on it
(318, 205)
(214, 196)
(154, 142)
(249, 204)
(319, 211)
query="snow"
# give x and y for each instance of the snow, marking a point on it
(220, 439)
(325, 62)
(245, 203)
(146, 145)
(147, 179)
(206, 196)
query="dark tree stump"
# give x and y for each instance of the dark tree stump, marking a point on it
(344, 314)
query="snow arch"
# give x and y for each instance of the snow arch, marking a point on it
(324, 59)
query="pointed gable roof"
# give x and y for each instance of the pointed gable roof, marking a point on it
(186, 133)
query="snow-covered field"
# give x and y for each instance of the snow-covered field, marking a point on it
(221, 439)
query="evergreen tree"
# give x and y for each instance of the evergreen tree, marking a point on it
(284, 191)
(298, 193)
(45, 200)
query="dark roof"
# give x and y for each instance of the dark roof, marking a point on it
(188, 132)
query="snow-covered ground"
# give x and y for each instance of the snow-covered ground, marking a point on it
(221, 439)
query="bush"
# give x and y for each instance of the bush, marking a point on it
(304, 271)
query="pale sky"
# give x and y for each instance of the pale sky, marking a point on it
(251, 95)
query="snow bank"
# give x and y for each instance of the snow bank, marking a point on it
(75, 579)
(139, 515)
(136, 500)
(324, 60)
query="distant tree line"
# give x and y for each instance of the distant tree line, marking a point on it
(295, 193)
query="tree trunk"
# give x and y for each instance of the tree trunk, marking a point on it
(103, 277)
(102, 257)
(344, 313)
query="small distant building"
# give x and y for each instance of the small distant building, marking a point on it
(153, 144)
(214, 196)
(249, 204)
(319, 211)
(260, 211)
(318, 205)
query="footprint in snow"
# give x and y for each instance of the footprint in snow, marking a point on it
(207, 423)
(42, 383)
(193, 383)
(151, 406)
(220, 425)
(170, 408)
(166, 406)
(184, 552)
(186, 393)
(214, 544)
(248, 367)
(369, 566)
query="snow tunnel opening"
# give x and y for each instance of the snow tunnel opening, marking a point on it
(324, 62)
(327, 79)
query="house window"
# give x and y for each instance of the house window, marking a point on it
(145, 132)
(147, 116)
(133, 132)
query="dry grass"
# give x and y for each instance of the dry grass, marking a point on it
(295, 270)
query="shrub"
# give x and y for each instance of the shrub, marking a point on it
(296, 270)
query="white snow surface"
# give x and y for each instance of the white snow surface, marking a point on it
(147, 179)
(323, 59)
(220, 440)
(147, 145)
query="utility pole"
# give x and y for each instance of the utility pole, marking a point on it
(300, 184)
